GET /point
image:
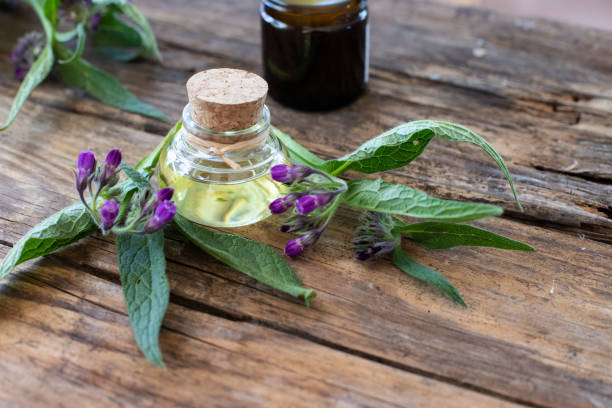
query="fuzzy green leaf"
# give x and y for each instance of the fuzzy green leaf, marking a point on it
(80, 47)
(150, 49)
(62, 228)
(137, 177)
(442, 235)
(415, 269)
(105, 88)
(149, 44)
(142, 268)
(252, 258)
(401, 145)
(40, 68)
(298, 153)
(393, 149)
(397, 199)
(116, 39)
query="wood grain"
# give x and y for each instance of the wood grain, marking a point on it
(537, 331)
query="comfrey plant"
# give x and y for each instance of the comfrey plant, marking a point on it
(315, 193)
(314, 197)
(104, 21)
(144, 212)
(133, 211)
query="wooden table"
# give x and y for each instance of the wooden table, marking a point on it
(538, 328)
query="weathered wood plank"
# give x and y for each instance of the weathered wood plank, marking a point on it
(554, 347)
(538, 326)
(66, 340)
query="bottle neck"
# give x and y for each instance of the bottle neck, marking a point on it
(223, 144)
(313, 13)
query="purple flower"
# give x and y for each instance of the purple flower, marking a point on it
(308, 194)
(296, 247)
(375, 237)
(376, 250)
(109, 212)
(311, 202)
(86, 161)
(164, 213)
(280, 205)
(288, 174)
(94, 22)
(112, 161)
(86, 165)
(165, 194)
(25, 52)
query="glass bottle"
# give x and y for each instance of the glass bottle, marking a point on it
(315, 52)
(217, 188)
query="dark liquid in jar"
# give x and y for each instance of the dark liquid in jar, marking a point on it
(316, 68)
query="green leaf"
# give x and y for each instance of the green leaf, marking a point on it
(442, 235)
(81, 37)
(140, 180)
(252, 258)
(65, 36)
(116, 39)
(149, 162)
(397, 199)
(142, 268)
(150, 49)
(59, 230)
(398, 147)
(299, 154)
(105, 88)
(50, 10)
(395, 148)
(40, 68)
(415, 269)
(149, 44)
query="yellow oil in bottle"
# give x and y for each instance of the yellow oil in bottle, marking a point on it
(220, 205)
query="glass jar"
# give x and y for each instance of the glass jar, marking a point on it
(315, 52)
(222, 190)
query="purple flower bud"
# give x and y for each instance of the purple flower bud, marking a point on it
(311, 202)
(113, 159)
(280, 205)
(375, 237)
(86, 164)
(109, 212)
(94, 22)
(25, 52)
(86, 161)
(164, 213)
(165, 194)
(288, 174)
(109, 174)
(296, 247)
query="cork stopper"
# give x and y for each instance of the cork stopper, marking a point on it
(226, 99)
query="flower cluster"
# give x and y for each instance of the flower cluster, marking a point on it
(313, 196)
(144, 213)
(375, 237)
(25, 52)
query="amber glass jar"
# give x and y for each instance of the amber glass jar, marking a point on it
(315, 52)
